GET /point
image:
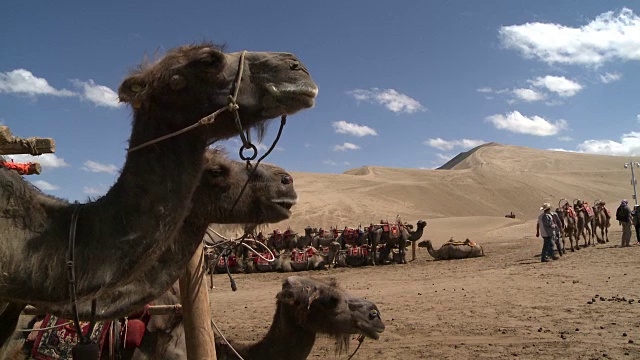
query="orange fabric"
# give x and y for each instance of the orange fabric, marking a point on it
(21, 168)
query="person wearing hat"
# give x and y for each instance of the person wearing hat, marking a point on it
(546, 227)
(623, 215)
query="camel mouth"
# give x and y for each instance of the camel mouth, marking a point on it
(295, 97)
(286, 204)
(372, 332)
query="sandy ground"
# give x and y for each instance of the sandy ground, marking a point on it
(505, 305)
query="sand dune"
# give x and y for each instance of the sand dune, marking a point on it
(484, 183)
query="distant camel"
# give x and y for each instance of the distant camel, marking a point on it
(586, 221)
(602, 220)
(570, 219)
(454, 250)
(393, 235)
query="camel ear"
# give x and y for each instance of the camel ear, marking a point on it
(132, 90)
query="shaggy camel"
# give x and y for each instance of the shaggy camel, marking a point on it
(390, 237)
(454, 250)
(304, 308)
(602, 220)
(121, 235)
(267, 198)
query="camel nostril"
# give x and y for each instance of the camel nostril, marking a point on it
(287, 179)
(294, 65)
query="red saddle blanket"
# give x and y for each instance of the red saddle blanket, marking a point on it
(588, 209)
(260, 261)
(57, 343)
(232, 260)
(358, 251)
(571, 213)
(302, 256)
(350, 236)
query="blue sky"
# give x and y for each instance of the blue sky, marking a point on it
(402, 83)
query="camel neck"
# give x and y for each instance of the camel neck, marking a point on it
(286, 340)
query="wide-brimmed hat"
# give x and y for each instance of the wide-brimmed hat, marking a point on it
(545, 206)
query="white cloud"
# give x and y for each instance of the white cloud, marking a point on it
(518, 123)
(447, 145)
(330, 162)
(45, 186)
(21, 81)
(608, 37)
(565, 138)
(444, 157)
(485, 90)
(97, 94)
(46, 160)
(96, 167)
(95, 190)
(343, 127)
(558, 84)
(346, 146)
(638, 118)
(528, 95)
(629, 144)
(390, 98)
(347, 163)
(610, 77)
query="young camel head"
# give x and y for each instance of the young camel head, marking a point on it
(324, 308)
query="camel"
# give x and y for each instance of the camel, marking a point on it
(454, 250)
(266, 199)
(602, 220)
(585, 222)
(311, 258)
(392, 235)
(352, 237)
(279, 241)
(568, 216)
(123, 234)
(304, 308)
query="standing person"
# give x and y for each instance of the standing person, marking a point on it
(557, 236)
(546, 227)
(635, 215)
(623, 215)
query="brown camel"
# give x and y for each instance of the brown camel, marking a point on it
(282, 241)
(585, 222)
(304, 308)
(123, 234)
(602, 220)
(267, 198)
(393, 235)
(568, 216)
(454, 250)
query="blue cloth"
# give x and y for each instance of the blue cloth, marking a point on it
(547, 248)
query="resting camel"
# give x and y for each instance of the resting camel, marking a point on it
(282, 241)
(454, 250)
(385, 234)
(123, 234)
(304, 308)
(602, 220)
(267, 198)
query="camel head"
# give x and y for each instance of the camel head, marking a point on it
(267, 198)
(324, 308)
(421, 224)
(193, 81)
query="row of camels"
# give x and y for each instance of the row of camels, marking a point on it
(318, 248)
(182, 103)
(583, 220)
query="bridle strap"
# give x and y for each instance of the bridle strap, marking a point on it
(71, 274)
(231, 106)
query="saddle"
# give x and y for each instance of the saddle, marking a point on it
(459, 243)
(58, 342)
(358, 251)
(232, 260)
(571, 213)
(302, 256)
(350, 236)
(257, 260)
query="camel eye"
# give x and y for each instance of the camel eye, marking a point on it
(286, 179)
(374, 314)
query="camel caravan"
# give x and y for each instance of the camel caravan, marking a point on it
(101, 261)
(317, 249)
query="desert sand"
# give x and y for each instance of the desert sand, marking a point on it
(504, 305)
